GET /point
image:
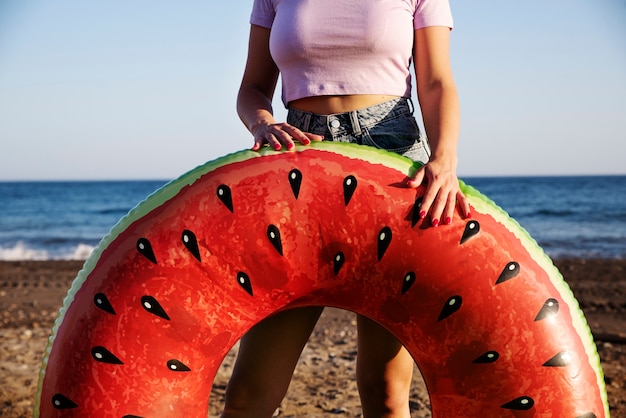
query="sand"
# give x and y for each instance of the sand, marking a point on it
(31, 293)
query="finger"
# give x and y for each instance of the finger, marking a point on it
(437, 207)
(287, 134)
(258, 143)
(304, 138)
(464, 206)
(273, 142)
(298, 135)
(280, 138)
(430, 194)
(448, 213)
(314, 137)
(417, 179)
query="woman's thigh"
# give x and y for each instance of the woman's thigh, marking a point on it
(270, 352)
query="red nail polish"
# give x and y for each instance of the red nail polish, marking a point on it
(468, 215)
(447, 221)
(422, 214)
(435, 222)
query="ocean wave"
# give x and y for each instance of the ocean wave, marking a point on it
(557, 213)
(22, 252)
(114, 211)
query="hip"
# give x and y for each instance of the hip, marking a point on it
(389, 125)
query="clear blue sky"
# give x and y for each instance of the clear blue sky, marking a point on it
(146, 89)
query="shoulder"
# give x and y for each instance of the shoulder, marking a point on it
(263, 12)
(432, 13)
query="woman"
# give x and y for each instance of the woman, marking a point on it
(345, 67)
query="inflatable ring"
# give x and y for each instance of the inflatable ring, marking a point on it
(492, 326)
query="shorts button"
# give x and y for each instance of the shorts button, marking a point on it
(335, 123)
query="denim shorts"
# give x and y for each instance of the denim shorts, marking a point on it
(389, 125)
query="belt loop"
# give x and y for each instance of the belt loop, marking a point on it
(306, 121)
(354, 120)
(410, 103)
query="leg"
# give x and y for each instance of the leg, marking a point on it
(384, 372)
(267, 356)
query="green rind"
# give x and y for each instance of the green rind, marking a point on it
(372, 155)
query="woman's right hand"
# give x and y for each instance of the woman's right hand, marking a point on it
(277, 135)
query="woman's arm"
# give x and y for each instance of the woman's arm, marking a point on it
(254, 100)
(438, 99)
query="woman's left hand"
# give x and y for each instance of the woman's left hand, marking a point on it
(442, 194)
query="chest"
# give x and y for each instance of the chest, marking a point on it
(316, 27)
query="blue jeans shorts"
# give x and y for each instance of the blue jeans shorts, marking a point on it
(389, 125)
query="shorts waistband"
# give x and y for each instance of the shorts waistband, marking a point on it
(350, 122)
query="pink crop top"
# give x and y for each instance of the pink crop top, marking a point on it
(339, 47)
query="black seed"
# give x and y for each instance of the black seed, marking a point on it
(549, 308)
(132, 416)
(338, 262)
(151, 305)
(145, 248)
(103, 303)
(523, 403)
(451, 306)
(408, 281)
(176, 366)
(244, 281)
(103, 355)
(224, 194)
(349, 186)
(191, 242)
(511, 270)
(384, 239)
(415, 216)
(587, 415)
(488, 357)
(471, 228)
(562, 359)
(274, 236)
(61, 402)
(295, 180)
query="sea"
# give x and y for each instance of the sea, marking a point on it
(573, 216)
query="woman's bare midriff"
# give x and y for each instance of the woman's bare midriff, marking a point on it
(328, 105)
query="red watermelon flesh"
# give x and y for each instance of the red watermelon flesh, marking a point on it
(490, 322)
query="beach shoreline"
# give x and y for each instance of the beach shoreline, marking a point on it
(31, 292)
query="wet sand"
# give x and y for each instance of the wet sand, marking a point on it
(31, 292)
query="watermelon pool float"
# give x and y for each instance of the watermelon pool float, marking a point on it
(492, 326)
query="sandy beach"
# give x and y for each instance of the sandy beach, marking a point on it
(31, 293)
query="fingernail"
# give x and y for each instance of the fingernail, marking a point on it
(447, 221)
(468, 215)
(422, 214)
(307, 141)
(435, 222)
(277, 147)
